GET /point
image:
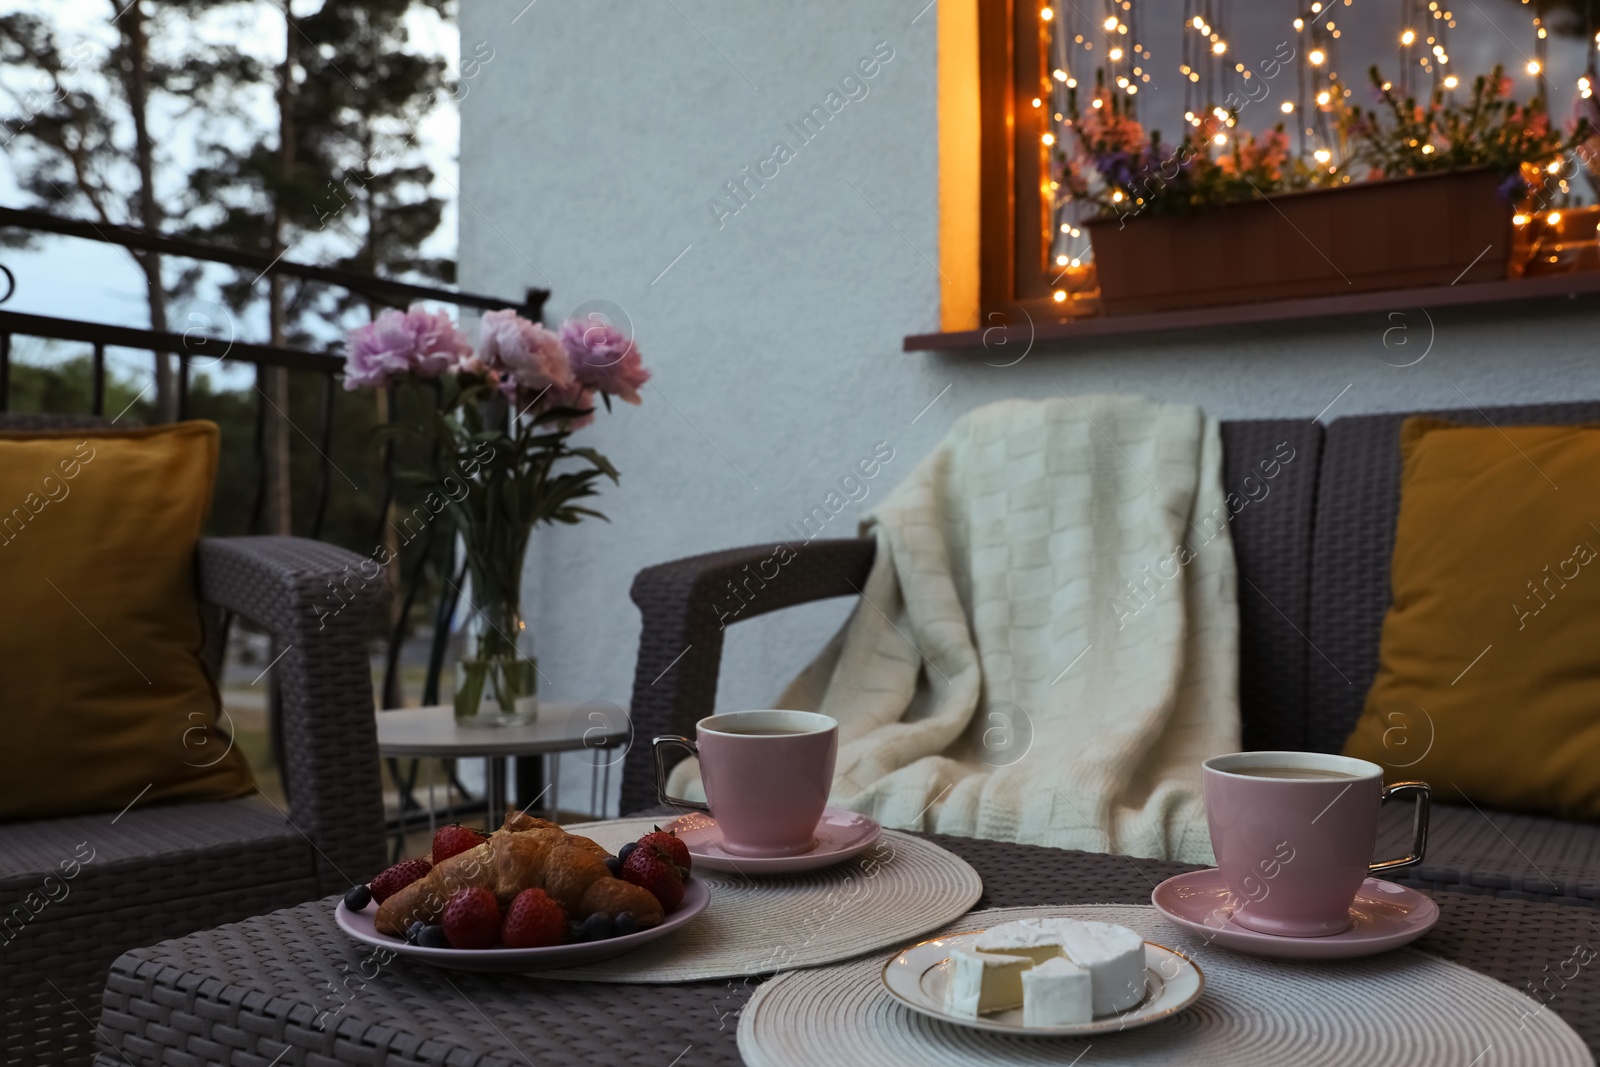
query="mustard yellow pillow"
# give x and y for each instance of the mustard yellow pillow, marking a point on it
(103, 694)
(1488, 682)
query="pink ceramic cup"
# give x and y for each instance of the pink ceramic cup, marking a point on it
(767, 775)
(1295, 850)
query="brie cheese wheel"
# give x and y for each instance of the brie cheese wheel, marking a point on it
(1056, 992)
(982, 982)
(1037, 939)
(1113, 956)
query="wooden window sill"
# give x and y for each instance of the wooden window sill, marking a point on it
(1040, 322)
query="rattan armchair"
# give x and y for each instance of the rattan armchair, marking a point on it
(164, 871)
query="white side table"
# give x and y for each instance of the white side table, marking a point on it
(433, 732)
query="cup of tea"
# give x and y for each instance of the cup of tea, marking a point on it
(1293, 833)
(766, 774)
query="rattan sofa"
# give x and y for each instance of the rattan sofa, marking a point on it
(164, 871)
(1313, 558)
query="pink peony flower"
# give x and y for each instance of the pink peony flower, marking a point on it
(528, 357)
(396, 345)
(604, 358)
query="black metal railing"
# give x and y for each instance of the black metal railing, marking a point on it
(193, 347)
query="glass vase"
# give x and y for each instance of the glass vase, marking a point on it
(497, 678)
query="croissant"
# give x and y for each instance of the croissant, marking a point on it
(570, 868)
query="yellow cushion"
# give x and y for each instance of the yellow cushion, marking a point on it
(103, 692)
(1488, 681)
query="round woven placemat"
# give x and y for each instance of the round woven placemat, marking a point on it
(1402, 1008)
(900, 888)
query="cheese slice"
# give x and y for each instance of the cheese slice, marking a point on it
(1056, 992)
(982, 982)
(1113, 956)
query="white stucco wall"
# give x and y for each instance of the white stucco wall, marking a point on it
(591, 145)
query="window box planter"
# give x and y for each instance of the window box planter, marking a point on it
(1401, 233)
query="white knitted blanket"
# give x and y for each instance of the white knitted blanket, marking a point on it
(1047, 644)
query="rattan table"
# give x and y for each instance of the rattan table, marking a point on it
(287, 988)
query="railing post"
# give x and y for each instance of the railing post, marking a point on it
(99, 404)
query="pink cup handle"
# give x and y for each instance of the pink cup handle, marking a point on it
(1419, 824)
(656, 746)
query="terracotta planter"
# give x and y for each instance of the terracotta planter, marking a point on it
(1397, 234)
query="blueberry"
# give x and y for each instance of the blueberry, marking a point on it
(626, 850)
(358, 897)
(433, 937)
(614, 865)
(414, 931)
(596, 927)
(626, 924)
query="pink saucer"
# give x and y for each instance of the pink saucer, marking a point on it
(1383, 917)
(840, 835)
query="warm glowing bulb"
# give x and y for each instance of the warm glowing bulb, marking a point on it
(1316, 56)
(1219, 112)
(1220, 47)
(1193, 76)
(1065, 228)
(1072, 83)
(1451, 82)
(1097, 102)
(1315, 8)
(1061, 261)
(1116, 198)
(1519, 220)
(1076, 262)
(1037, 102)
(1048, 138)
(1286, 107)
(1533, 66)
(1322, 155)
(1299, 24)
(1323, 98)
(1407, 37)
(1116, 54)
(1060, 296)
(1220, 138)
(1046, 13)
(1553, 218)
(1198, 22)
(1059, 75)
(1427, 149)
(1111, 23)
(1583, 83)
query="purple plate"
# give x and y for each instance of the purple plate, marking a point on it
(359, 925)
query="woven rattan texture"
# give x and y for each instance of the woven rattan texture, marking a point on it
(163, 872)
(1254, 1013)
(1272, 546)
(1518, 857)
(1358, 500)
(251, 992)
(680, 640)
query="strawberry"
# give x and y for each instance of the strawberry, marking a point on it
(453, 840)
(670, 843)
(397, 878)
(472, 919)
(534, 920)
(651, 869)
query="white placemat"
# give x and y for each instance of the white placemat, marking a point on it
(1400, 1009)
(897, 890)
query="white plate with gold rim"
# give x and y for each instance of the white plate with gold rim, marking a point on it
(918, 977)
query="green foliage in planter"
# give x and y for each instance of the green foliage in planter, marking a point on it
(1490, 129)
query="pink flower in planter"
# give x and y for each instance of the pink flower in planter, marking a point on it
(396, 345)
(528, 357)
(604, 358)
